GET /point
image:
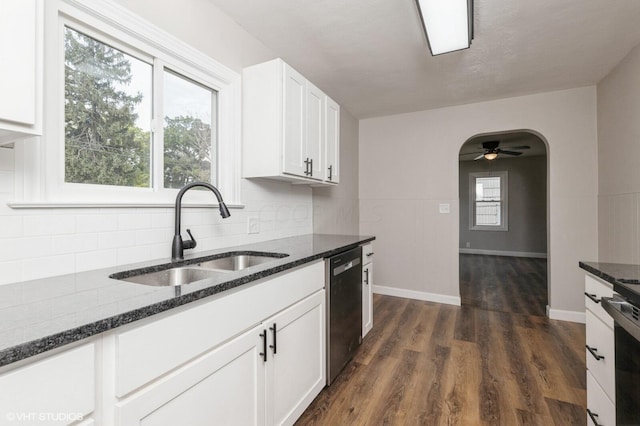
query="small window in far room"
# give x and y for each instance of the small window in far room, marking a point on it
(488, 201)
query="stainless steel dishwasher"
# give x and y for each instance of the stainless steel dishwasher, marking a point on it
(344, 309)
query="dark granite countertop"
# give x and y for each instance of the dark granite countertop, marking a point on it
(624, 277)
(40, 315)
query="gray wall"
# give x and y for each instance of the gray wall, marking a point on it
(527, 206)
(618, 154)
(335, 209)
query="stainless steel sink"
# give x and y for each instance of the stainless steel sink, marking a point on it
(172, 277)
(193, 270)
(236, 262)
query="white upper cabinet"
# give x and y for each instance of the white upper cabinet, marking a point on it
(294, 123)
(288, 125)
(315, 131)
(20, 69)
(332, 138)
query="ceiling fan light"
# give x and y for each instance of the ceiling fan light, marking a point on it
(448, 24)
(491, 155)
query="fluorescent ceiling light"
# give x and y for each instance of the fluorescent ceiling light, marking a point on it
(448, 24)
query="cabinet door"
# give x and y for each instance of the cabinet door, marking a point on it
(315, 131)
(20, 68)
(225, 386)
(599, 405)
(296, 369)
(367, 299)
(294, 125)
(601, 358)
(61, 383)
(18, 59)
(332, 141)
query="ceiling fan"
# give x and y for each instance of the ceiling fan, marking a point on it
(491, 150)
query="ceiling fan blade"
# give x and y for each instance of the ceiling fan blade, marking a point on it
(500, 151)
(520, 147)
(479, 157)
(472, 153)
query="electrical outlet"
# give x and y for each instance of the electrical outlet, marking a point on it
(444, 208)
(468, 244)
(253, 225)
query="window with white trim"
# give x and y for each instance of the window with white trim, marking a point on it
(131, 114)
(488, 201)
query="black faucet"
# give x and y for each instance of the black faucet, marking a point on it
(178, 246)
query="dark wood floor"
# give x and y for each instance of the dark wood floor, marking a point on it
(508, 284)
(431, 364)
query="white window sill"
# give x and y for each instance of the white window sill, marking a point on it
(489, 228)
(68, 205)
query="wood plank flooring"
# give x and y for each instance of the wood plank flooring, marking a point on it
(432, 364)
(508, 284)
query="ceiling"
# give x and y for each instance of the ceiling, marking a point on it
(473, 147)
(371, 55)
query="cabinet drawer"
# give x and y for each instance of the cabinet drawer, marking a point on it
(597, 289)
(600, 339)
(599, 404)
(62, 383)
(148, 351)
(367, 253)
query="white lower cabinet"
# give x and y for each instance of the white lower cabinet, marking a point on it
(367, 288)
(57, 390)
(296, 370)
(267, 375)
(600, 355)
(239, 383)
(601, 412)
(367, 299)
(224, 387)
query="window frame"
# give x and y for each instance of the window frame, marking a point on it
(41, 182)
(504, 201)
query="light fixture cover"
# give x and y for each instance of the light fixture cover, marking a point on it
(448, 24)
(491, 155)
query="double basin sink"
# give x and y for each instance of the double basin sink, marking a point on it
(192, 270)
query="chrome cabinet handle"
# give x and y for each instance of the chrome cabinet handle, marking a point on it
(330, 172)
(366, 278)
(369, 254)
(594, 352)
(592, 297)
(593, 417)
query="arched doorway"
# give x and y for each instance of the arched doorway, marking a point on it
(503, 218)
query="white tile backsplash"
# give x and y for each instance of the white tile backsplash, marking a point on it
(49, 224)
(41, 267)
(89, 260)
(96, 222)
(133, 221)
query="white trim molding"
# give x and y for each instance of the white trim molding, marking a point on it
(504, 253)
(571, 316)
(417, 295)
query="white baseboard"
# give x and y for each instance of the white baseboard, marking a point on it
(504, 253)
(417, 295)
(572, 316)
